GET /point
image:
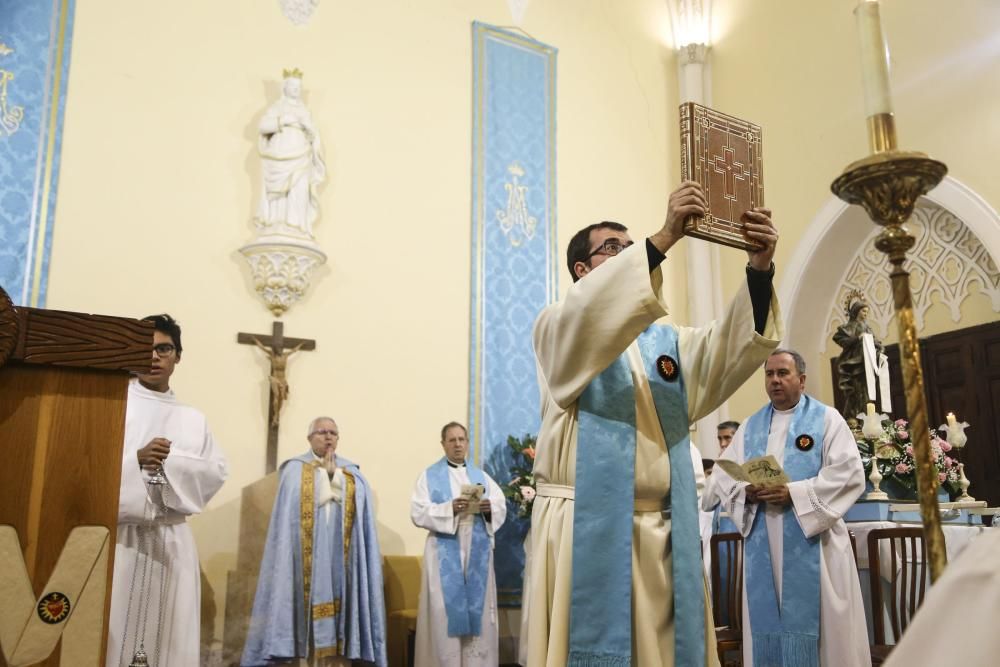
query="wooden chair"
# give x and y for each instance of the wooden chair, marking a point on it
(907, 570)
(401, 579)
(727, 596)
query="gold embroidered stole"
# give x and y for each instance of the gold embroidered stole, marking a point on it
(307, 523)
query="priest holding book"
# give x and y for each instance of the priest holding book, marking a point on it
(802, 601)
(614, 571)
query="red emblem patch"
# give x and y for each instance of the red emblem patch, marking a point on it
(804, 442)
(667, 368)
(53, 608)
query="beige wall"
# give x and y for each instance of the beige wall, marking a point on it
(794, 67)
(158, 188)
(158, 183)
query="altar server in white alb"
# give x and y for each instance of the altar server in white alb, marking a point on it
(614, 570)
(802, 600)
(457, 618)
(156, 593)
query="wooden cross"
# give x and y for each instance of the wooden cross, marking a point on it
(278, 349)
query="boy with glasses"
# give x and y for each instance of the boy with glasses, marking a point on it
(171, 468)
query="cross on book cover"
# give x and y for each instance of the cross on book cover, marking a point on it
(723, 154)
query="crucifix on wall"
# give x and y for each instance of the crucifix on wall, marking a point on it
(278, 349)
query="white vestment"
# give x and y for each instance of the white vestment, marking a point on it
(575, 340)
(955, 623)
(818, 503)
(159, 555)
(434, 648)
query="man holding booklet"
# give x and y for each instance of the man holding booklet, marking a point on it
(462, 508)
(792, 472)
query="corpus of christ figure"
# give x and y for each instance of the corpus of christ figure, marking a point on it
(278, 349)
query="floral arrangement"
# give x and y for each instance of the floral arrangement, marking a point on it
(521, 487)
(893, 450)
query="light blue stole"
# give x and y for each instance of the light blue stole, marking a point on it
(600, 632)
(789, 636)
(464, 592)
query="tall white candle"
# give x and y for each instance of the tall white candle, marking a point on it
(874, 59)
(951, 420)
(871, 409)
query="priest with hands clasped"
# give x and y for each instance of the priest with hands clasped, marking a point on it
(319, 599)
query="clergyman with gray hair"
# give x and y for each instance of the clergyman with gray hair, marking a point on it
(319, 595)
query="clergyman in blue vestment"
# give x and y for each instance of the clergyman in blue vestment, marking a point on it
(319, 595)
(802, 602)
(457, 621)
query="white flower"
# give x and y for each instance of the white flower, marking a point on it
(527, 493)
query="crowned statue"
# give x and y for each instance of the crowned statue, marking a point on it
(862, 366)
(292, 163)
(285, 251)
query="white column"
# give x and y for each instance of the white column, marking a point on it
(704, 286)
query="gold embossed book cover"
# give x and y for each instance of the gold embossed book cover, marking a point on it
(723, 153)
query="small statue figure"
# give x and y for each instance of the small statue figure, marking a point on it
(291, 163)
(857, 368)
(279, 384)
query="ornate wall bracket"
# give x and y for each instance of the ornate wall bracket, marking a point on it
(281, 268)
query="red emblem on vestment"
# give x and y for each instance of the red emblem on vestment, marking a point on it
(53, 608)
(667, 368)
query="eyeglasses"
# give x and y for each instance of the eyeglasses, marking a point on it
(164, 349)
(323, 431)
(610, 247)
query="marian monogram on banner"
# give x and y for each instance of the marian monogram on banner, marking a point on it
(516, 223)
(10, 116)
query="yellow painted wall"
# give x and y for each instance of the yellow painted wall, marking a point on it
(794, 68)
(159, 184)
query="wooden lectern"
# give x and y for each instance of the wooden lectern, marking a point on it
(63, 386)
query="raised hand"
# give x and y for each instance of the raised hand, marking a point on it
(760, 228)
(688, 199)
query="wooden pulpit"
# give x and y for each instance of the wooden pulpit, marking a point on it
(63, 386)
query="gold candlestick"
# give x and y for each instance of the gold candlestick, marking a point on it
(887, 184)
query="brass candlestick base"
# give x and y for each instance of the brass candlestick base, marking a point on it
(887, 184)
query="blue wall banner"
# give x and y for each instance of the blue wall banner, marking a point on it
(514, 262)
(35, 42)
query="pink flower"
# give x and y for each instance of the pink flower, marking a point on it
(942, 476)
(529, 452)
(901, 468)
(909, 450)
(527, 493)
(900, 423)
(944, 445)
(904, 435)
(948, 461)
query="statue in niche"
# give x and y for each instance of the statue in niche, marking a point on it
(292, 163)
(861, 366)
